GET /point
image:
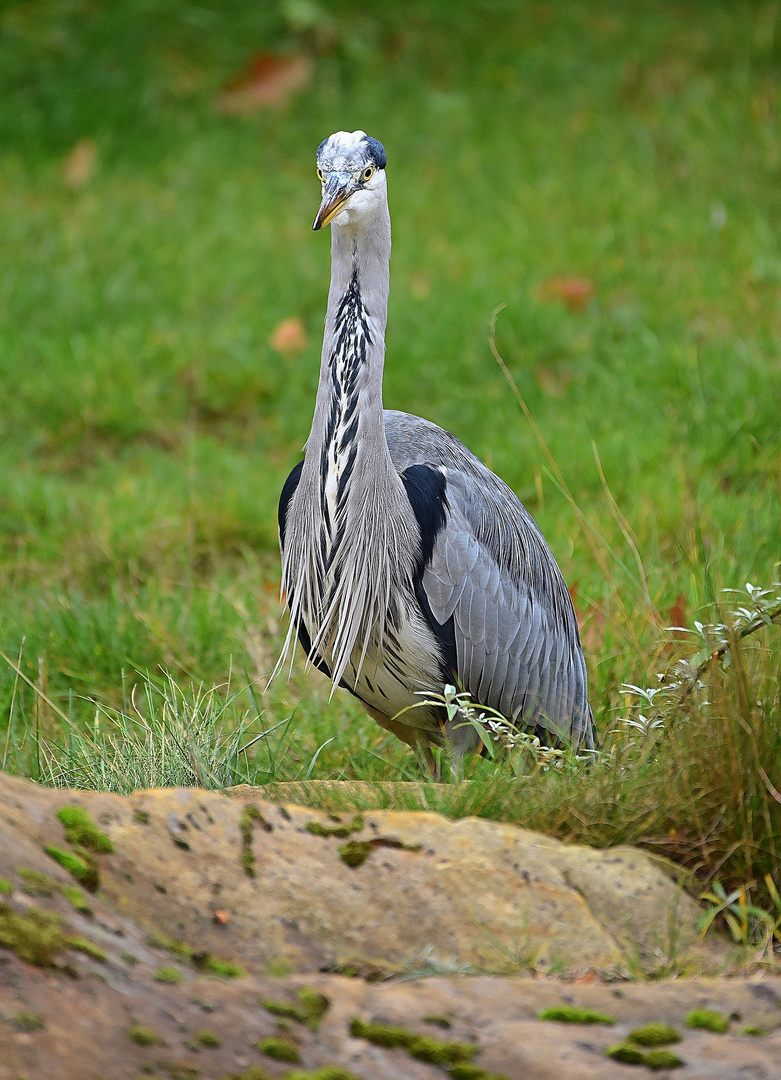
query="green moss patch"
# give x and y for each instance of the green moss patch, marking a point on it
(81, 830)
(628, 1053)
(89, 948)
(6, 887)
(25, 1020)
(83, 870)
(707, 1020)
(36, 884)
(141, 817)
(655, 1035)
(325, 1072)
(662, 1059)
(280, 1049)
(254, 1072)
(472, 1072)
(573, 1014)
(315, 1006)
(209, 1039)
(284, 1008)
(168, 974)
(213, 965)
(310, 1008)
(179, 948)
(631, 1054)
(437, 1021)
(421, 1047)
(76, 899)
(250, 816)
(356, 852)
(203, 961)
(35, 936)
(754, 1030)
(316, 828)
(143, 1036)
(177, 1071)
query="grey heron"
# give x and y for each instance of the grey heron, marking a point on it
(407, 565)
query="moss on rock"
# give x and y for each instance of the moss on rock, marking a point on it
(26, 1020)
(573, 1014)
(284, 1008)
(279, 1049)
(81, 830)
(168, 974)
(356, 852)
(35, 935)
(254, 1072)
(472, 1072)
(325, 1072)
(89, 948)
(206, 1038)
(630, 1053)
(655, 1034)
(143, 1036)
(213, 965)
(661, 1059)
(314, 1004)
(203, 961)
(35, 883)
(250, 816)
(437, 1021)
(83, 870)
(77, 900)
(627, 1053)
(707, 1020)
(310, 1009)
(316, 828)
(421, 1047)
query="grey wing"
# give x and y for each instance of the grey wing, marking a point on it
(516, 639)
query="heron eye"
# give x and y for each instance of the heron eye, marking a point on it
(320, 174)
(368, 172)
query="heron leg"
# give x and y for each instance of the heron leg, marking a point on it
(419, 739)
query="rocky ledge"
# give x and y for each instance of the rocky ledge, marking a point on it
(188, 935)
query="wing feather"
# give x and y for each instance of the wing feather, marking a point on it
(491, 572)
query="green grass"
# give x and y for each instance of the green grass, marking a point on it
(147, 425)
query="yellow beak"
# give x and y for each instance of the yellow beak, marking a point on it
(337, 191)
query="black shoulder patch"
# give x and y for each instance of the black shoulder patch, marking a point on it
(426, 491)
(288, 491)
(425, 487)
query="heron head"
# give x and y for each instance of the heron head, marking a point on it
(351, 168)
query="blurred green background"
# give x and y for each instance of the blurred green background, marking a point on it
(156, 231)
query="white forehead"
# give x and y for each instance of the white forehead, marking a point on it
(343, 151)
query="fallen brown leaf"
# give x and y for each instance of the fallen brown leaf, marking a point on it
(78, 164)
(551, 381)
(677, 615)
(574, 292)
(268, 79)
(288, 337)
(591, 620)
(420, 284)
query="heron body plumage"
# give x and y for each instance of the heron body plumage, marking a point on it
(406, 563)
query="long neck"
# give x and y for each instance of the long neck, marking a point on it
(354, 341)
(350, 548)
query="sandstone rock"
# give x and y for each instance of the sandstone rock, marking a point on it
(382, 891)
(168, 969)
(87, 1026)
